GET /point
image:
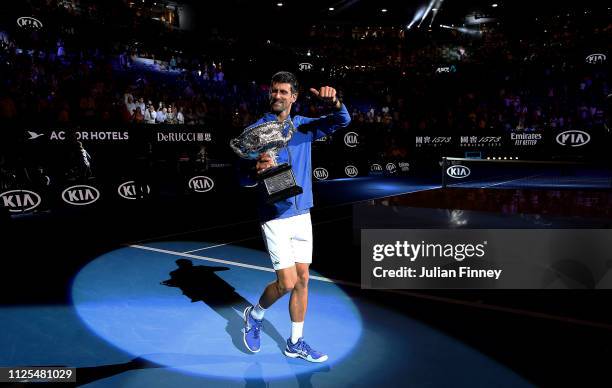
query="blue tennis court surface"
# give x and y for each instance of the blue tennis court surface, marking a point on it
(167, 311)
(135, 331)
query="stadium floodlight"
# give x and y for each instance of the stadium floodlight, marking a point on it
(429, 7)
(435, 10)
(419, 13)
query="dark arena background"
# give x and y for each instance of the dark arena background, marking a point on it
(466, 115)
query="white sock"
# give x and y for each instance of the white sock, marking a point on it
(297, 328)
(258, 312)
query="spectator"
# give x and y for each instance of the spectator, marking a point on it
(150, 115)
(161, 116)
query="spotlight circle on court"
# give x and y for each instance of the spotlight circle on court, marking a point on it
(196, 328)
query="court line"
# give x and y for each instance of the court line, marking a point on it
(234, 263)
(511, 180)
(222, 245)
(258, 236)
(468, 184)
(526, 313)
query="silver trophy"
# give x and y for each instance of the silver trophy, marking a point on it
(279, 181)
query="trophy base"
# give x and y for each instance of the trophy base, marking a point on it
(279, 183)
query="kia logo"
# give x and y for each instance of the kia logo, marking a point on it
(201, 184)
(458, 171)
(320, 173)
(376, 167)
(390, 167)
(18, 201)
(351, 139)
(596, 59)
(573, 138)
(351, 171)
(127, 190)
(305, 66)
(80, 195)
(29, 22)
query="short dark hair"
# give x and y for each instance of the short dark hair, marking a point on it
(285, 77)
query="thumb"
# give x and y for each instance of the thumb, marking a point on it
(315, 92)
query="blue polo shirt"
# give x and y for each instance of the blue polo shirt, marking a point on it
(298, 155)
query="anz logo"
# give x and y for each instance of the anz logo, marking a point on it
(127, 190)
(201, 184)
(80, 195)
(458, 171)
(320, 173)
(351, 171)
(391, 168)
(17, 201)
(573, 138)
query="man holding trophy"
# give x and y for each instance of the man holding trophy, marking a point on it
(280, 145)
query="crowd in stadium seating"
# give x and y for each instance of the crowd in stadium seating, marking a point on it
(454, 82)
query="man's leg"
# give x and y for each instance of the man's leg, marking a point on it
(299, 296)
(253, 315)
(296, 346)
(277, 236)
(286, 280)
(299, 302)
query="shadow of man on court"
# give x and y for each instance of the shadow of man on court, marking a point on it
(201, 283)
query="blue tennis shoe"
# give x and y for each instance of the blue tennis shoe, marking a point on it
(302, 350)
(252, 331)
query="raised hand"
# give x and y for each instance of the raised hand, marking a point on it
(327, 94)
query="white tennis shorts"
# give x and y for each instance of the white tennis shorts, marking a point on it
(288, 240)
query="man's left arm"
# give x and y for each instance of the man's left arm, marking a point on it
(328, 124)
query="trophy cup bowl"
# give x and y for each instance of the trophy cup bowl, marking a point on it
(279, 180)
